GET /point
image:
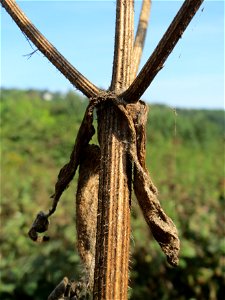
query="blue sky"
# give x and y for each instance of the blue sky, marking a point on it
(83, 31)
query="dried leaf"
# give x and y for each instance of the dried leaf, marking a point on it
(66, 174)
(161, 226)
(87, 207)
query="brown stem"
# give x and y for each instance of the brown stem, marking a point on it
(140, 37)
(162, 51)
(113, 224)
(123, 45)
(113, 228)
(52, 54)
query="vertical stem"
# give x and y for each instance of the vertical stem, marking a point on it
(123, 45)
(140, 36)
(113, 228)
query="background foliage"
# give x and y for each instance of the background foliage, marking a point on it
(186, 160)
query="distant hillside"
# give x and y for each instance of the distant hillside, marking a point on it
(196, 126)
(185, 153)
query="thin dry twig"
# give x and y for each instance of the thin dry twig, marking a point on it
(162, 51)
(140, 37)
(53, 55)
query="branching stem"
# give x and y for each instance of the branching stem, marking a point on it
(162, 51)
(121, 135)
(52, 54)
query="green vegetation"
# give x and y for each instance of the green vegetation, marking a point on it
(186, 159)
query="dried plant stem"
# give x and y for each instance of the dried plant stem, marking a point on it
(52, 54)
(140, 37)
(162, 51)
(113, 224)
(121, 134)
(123, 45)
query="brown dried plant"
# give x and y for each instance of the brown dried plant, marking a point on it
(108, 172)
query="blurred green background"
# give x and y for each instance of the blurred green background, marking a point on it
(185, 156)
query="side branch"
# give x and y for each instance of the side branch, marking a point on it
(52, 54)
(162, 51)
(140, 37)
(123, 45)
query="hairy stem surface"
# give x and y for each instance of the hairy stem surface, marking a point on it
(113, 224)
(123, 45)
(113, 228)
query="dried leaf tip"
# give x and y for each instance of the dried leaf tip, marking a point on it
(39, 225)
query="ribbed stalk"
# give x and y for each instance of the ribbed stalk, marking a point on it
(113, 228)
(140, 37)
(123, 47)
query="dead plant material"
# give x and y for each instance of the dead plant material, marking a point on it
(88, 156)
(162, 51)
(122, 138)
(67, 172)
(86, 209)
(69, 290)
(161, 226)
(140, 37)
(39, 225)
(59, 291)
(49, 51)
(112, 243)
